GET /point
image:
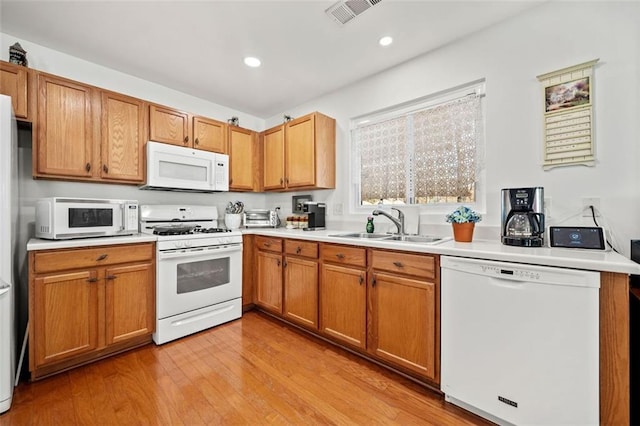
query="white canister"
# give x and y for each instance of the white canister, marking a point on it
(232, 220)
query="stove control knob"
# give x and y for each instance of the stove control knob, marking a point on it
(224, 241)
(187, 244)
(177, 244)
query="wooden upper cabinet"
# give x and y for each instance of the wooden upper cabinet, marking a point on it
(65, 141)
(14, 83)
(169, 126)
(273, 158)
(300, 154)
(209, 135)
(242, 173)
(123, 134)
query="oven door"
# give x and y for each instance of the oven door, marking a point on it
(195, 278)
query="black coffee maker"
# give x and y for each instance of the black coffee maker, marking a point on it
(523, 217)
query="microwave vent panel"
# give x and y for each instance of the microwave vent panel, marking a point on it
(344, 11)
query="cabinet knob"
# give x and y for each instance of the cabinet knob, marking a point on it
(197, 142)
(361, 280)
(373, 281)
(284, 264)
(398, 264)
(88, 167)
(281, 181)
(105, 168)
(298, 250)
(267, 244)
(102, 257)
(340, 256)
(278, 262)
(186, 139)
(92, 280)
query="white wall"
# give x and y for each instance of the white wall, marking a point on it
(509, 56)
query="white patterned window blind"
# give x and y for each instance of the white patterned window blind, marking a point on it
(427, 153)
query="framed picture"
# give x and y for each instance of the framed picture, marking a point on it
(568, 95)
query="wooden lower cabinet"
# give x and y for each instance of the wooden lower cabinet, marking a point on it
(301, 291)
(87, 312)
(402, 327)
(269, 281)
(343, 304)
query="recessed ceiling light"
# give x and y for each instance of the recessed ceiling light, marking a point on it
(252, 62)
(385, 41)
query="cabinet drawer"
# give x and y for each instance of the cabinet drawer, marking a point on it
(269, 244)
(301, 248)
(404, 263)
(355, 256)
(60, 260)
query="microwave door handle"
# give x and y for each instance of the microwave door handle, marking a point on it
(196, 252)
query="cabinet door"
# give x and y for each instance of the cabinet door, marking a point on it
(123, 138)
(269, 281)
(241, 149)
(169, 126)
(273, 157)
(65, 316)
(343, 304)
(301, 291)
(13, 82)
(65, 144)
(300, 152)
(403, 322)
(129, 302)
(209, 135)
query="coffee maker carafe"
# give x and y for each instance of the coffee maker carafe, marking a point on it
(523, 217)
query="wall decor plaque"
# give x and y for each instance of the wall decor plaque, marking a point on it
(568, 116)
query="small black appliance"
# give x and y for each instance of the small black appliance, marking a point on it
(316, 213)
(523, 217)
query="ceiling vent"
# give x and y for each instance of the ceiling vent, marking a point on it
(344, 11)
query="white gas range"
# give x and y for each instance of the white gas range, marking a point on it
(198, 269)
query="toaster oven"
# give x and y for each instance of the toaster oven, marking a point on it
(261, 219)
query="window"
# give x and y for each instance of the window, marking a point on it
(425, 152)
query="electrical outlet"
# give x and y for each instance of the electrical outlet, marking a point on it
(590, 201)
(338, 209)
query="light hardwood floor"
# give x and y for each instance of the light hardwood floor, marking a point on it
(251, 371)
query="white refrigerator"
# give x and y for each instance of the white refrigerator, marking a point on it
(8, 232)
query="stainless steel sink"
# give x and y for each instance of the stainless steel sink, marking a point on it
(361, 235)
(425, 239)
(415, 238)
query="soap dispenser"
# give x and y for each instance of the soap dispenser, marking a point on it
(370, 226)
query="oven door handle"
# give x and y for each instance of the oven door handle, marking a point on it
(192, 252)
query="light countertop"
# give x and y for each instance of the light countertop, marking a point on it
(608, 261)
(40, 244)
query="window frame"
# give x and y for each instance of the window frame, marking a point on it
(478, 88)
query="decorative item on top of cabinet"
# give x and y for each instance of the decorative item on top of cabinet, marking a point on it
(86, 303)
(168, 125)
(17, 55)
(15, 82)
(243, 153)
(300, 154)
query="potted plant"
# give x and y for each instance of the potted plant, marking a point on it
(463, 220)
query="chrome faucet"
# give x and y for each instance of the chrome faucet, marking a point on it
(399, 222)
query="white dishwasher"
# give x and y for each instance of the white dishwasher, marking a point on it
(520, 343)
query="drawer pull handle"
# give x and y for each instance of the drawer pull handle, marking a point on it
(92, 280)
(340, 256)
(298, 250)
(88, 167)
(102, 257)
(197, 141)
(398, 264)
(267, 244)
(373, 281)
(105, 168)
(361, 279)
(278, 262)
(111, 277)
(284, 263)
(281, 181)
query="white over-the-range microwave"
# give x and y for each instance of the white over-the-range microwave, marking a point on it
(176, 168)
(61, 218)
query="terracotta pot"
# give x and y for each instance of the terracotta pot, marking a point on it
(463, 232)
